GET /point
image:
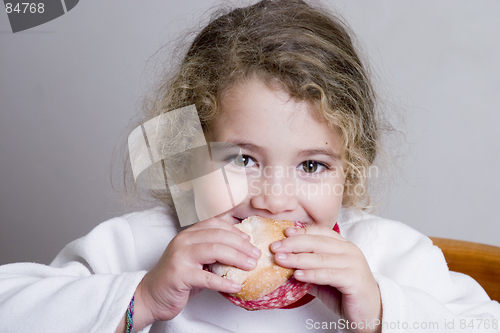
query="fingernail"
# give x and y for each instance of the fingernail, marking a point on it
(299, 273)
(236, 286)
(277, 245)
(281, 255)
(251, 261)
(256, 251)
(246, 236)
(292, 231)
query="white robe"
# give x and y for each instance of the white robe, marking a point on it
(88, 286)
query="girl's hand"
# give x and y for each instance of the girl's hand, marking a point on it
(344, 282)
(179, 273)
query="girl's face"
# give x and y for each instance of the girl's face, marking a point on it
(292, 162)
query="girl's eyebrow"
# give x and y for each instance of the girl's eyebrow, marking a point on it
(250, 146)
(322, 151)
(303, 153)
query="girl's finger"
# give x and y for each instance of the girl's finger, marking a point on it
(218, 223)
(312, 260)
(338, 278)
(222, 236)
(313, 230)
(312, 243)
(209, 253)
(208, 280)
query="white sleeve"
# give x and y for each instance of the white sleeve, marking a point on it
(436, 301)
(87, 288)
(418, 291)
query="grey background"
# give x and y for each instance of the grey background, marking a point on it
(69, 88)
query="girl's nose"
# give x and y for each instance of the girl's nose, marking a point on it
(275, 195)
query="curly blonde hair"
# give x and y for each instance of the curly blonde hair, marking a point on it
(307, 51)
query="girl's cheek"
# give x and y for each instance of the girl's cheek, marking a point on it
(322, 200)
(211, 195)
(219, 192)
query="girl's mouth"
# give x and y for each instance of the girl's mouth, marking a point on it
(238, 219)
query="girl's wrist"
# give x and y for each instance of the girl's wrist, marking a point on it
(143, 316)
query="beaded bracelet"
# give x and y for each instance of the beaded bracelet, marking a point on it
(130, 316)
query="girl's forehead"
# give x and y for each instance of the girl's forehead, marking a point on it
(254, 112)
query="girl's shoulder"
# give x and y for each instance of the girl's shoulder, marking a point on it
(359, 224)
(138, 235)
(152, 228)
(158, 216)
(143, 226)
(387, 243)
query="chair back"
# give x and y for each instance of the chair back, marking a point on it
(479, 261)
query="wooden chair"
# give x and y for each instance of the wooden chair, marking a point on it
(480, 261)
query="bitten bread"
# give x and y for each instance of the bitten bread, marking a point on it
(267, 276)
(268, 285)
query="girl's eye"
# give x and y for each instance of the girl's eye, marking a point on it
(243, 161)
(312, 166)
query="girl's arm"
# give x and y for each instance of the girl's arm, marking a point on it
(425, 294)
(142, 315)
(417, 292)
(86, 289)
(89, 285)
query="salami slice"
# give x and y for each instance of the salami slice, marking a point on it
(288, 293)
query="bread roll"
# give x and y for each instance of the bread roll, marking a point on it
(267, 278)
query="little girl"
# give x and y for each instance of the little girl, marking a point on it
(282, 81)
